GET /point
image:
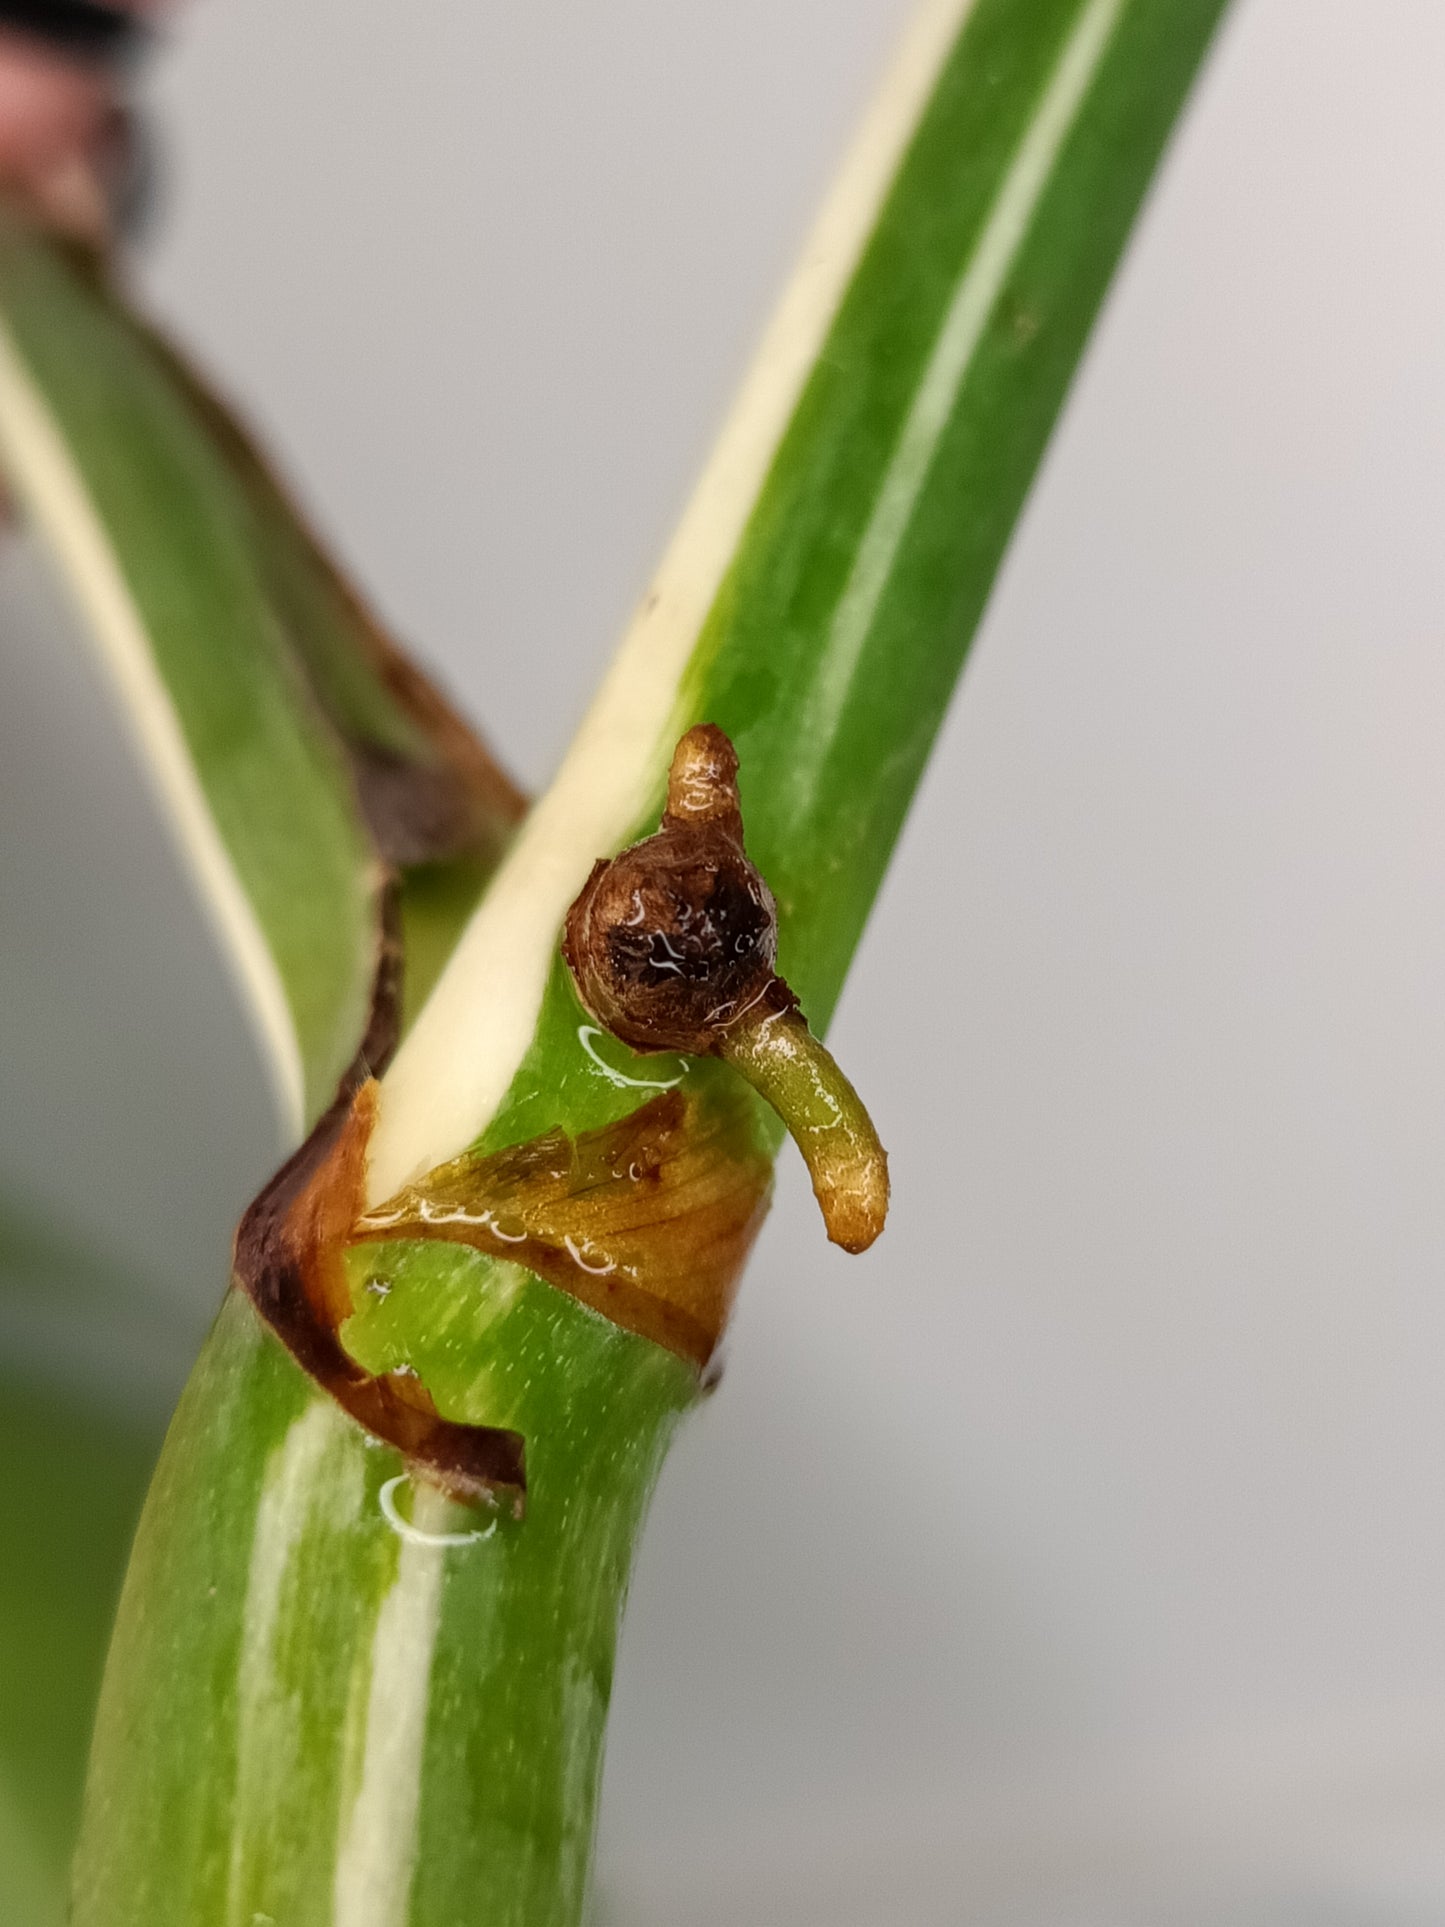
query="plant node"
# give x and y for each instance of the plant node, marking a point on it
(672, 947)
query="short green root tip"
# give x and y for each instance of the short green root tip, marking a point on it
(786, 1064)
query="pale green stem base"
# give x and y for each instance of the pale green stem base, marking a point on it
(313, 1720)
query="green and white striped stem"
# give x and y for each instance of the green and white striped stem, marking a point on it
(255, 687)
(374, 1714)
(320, 1707)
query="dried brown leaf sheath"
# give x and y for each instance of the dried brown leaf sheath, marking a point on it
(289, 1259)
(648, 1220)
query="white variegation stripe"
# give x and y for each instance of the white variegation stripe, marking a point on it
(52, 489)
(305, 1475)
(969, 309)
(465, 1047)
(377, 1850)
(316, 1478)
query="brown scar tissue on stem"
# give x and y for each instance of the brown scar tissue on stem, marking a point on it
(672, 946)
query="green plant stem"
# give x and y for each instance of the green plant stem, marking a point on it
(339, 1663)
(299, 1722)
(253, 681)
(150, 529)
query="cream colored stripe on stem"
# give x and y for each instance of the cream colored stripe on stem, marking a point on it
(973, 301)
(265, 1716)
(464, 1049)
(49, 485)
(377, 1852)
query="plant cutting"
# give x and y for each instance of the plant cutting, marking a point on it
(537, 1062)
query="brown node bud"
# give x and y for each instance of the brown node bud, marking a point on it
(672, 945)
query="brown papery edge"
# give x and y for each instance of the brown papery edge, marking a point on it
(288, 1260)
(416, 812)
(678, 1296)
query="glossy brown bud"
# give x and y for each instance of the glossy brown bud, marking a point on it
(673, 942)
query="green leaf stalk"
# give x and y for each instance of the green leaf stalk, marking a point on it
(334, 1695)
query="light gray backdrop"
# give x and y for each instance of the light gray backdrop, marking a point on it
(1077, 1556)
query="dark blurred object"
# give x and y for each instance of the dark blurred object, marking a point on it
(70, 152)
(79, 29)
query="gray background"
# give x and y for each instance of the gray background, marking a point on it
(1077, 1556)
